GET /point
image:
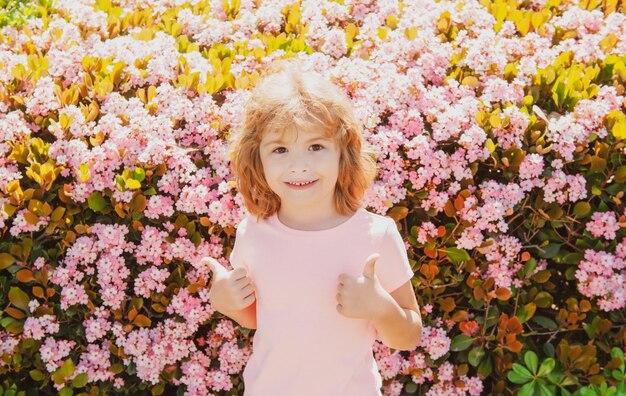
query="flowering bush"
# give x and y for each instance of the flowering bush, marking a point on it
(501, 129)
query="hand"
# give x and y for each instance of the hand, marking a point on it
(363, 297)
(230, 290)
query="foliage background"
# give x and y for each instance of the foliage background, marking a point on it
(501, 128)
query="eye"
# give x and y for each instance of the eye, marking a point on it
(277, 148)
(318, 145)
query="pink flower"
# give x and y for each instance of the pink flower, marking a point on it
(603, 224)
(425, 231)
(38, 328)
(54, 351)
(602, 275)
(445, 372)
(7, 342)
(435, 342)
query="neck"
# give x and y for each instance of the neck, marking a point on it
(309, 220)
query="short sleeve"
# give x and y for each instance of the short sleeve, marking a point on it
(392, 267)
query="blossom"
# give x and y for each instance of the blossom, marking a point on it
(434, 341)
(602, 275)
(38, 328)
(54, 351)
(603, 224)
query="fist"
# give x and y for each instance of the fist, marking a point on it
(363, 297)
(230, 290)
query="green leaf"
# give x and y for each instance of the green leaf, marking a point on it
(529, 266)
(66, 392)
(139, 174)
(11, 325)
(80, 380)
(475, 356)
(548, 349)
(96, 201)
(150, 191)
(119, 183)
(544, 322)
(545, 390)
(617, 352)
(36, 375)
(588, 391)
(519, 374)
(486, 367)
(582, 209)
(461, 342)
(516, 378)
(67, 369)
(546, 367)
(572, 258)
(549, 251)
(618, 375)
(530, 359)
(456, 255)
(19, 298)
(528, 390)
(543, 299)
(6, 260)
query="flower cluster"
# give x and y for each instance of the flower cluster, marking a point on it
(602, 275)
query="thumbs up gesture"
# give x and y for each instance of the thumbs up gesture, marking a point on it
(230, 290)
(363, 297)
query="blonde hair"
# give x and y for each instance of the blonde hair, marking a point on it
(287, 96)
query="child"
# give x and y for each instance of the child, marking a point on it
(315, 273)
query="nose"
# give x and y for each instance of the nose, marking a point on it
(298, 165)
(298, 169)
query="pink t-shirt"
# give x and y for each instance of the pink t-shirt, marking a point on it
(302, 346)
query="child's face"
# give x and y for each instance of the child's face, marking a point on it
(302, 156)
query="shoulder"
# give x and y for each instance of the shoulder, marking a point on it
(247, 224)
(379, 224)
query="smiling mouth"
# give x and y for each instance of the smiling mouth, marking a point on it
(300, 184)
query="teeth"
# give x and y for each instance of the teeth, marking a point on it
(301, 184)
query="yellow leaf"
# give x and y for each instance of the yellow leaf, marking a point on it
(132, 184)
(489, 145)
(536, 19)
(410, 33)
(619, 129)
(392, 22)
(84, 174)
(151, 93)
(500, 11)
(470, 81)
(18, 71)
(382, 33)
(523, 25)
(351, 31)
(495, 121)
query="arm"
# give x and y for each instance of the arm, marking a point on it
(245, 317)
(401, 326)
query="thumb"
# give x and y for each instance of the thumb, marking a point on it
(370, 266)
(214, 265)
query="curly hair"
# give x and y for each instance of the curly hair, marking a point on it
(287, 96)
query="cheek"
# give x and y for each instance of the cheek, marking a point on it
(271, 171)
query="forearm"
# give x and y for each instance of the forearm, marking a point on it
(245, 317)
(400, 328)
